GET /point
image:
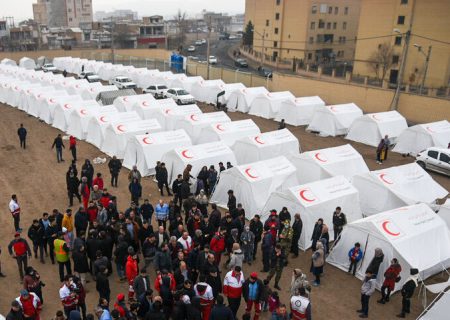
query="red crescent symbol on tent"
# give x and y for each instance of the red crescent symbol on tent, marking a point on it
(257, 139)
(184, 153)
(120, 128)
(317, 156)
(385, 228)
(332, 108)
(146, 141)
(430, 130)
(16, 88)
(247, 172)
(67, 106)
(83, 111)
(145, 103)
(51, 100)
(268, 94)
(77, 86)
(168, 111)
(382, 177)
(375, 117)
(193, 117)
(125, 99)
(64, 83)
(91, 89)
(302, 195)
(102, 119)
(219, 127)
(28, 91)
(244, 91)
(39, 95)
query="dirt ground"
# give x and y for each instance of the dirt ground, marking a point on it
(39, 183)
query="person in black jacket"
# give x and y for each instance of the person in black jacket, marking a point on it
(58, 144)
(408, 291)
(297, 227)
(283, 216)
(16, 311)
(176, 189)
(256, 227)
(163, 259)
(22, 133)
(102, 284)
(162, 177)
(121, 255)
(266, 248)
(193, 309)
(147, 211)
(231, 204)
(87, 170)
(73, 184)
(114, 166)
(339, 221)
(277, 263)
(37, 237)
(376, 261)
(253, 298)
(81, 264)
(51, 234)
(179, 307)
(221, 311)
(317, 233)
(81, 220)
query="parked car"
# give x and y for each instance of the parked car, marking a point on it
(191, 49)
(180, 96)
(89, 76)
(123, 82)
(158, 91)
(203, 41)
(212, 60)
(198, 43)
(266, 73)
(241, 63)
(435, 159)
(49, 67)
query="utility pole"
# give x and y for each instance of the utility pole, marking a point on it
(208, 48)
(112, 41)
(263, 47)
(427, 60)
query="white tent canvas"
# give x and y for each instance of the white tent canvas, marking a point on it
(265, 146)
(444, 212)
(254, 182)
(99, 122)
(127, 103)
(371, 128)
(147, 109)
(201, 92)
(299, 111)
(8, 62)
(46, 106)
(187, 83)
(395, 187)
(229, 88)
(25, 95)
(62, 112)
(228, 132)
(334, 120)
(145, 150)
(198, 156)
(240, 100)
(422, 136)
(440, 308)
(169, 115)
(63, 101)
(415, 235)
(194, 123)
(80, 117)
(92, 92)
(267, 105)
(316, 200)
(27, 63)
(330, 162)
(118, 133)
(77, 88)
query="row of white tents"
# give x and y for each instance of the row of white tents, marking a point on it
(314, 183)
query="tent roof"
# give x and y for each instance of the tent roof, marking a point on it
(433, 128)
(202, 151)
(210, 83)
(205, 118)
(87, 111)
(154, 103)
(253, 90)
(339, 109)
(277, 96)
(306, 101)
(265, 169)
(270, 138)
(121, 126)
(109, 118)
(161, 138)
(224, 128)
(315, 193)
(383, 117)
(331, 156)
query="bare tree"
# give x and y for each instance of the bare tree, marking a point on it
(182, 26)
(381, 60)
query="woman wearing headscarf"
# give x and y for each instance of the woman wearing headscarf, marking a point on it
(377, 259)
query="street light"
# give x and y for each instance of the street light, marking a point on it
(427, 60)
(407, 36)
(263, 47)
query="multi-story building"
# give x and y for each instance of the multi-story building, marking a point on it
(426, 22)
(116, 15)
(151, 32)
(309, 30)
(64, 13)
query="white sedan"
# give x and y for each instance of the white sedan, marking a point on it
(191, 49)
(122, 82)
(180, 96)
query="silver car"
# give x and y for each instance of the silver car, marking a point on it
(435, 159)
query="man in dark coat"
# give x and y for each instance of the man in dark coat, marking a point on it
(162, 177)
(73, 184)
(163, 259)
(114, 166)
(22, 133)
(339, 221)
(16, 311)
(214, 217)
(231, 204)
(81, 264)
(37, 237)
(317, 233)
(297, 227)
(266, 248)
(87, 170)
(221, 311)
(176, 189)
(102, 284)
(256, 227)
(81, 220)
(58, 144)
(141, 283)
(408, 291)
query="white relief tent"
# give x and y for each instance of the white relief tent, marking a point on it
(194, 123)
(62, 113)
(147, 109)
(207, 90)
(169, 115)
(267, 105)
(46, 106)
(228, 132)
(334, 120)
(27, 63)
(62, 101)
(126, 103)
(299, 111)
(80, 117)
(240, 100)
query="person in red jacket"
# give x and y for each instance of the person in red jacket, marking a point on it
(98, 181)
(73, 147)
(30, 304)
(20, 250)
(131, 271)
(232, 288)
(92, 212)
(85, 191)
(158, 280)
(105, 199)
(217, 245)
(121, 306)
(391, 276)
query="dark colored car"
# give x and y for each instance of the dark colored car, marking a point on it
(267, 73)
(241, 63)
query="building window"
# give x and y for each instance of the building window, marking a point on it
(344, 39)
(278, 2)
(344, 25)
(403, 1)
(275, 31)
(267, 23)
(330, 10)
(312, 26)
(346, 10)
(395, 59)
(311, 40)
(275, 44)
(398, 41)
(334, 25)
(323, 8)
(314, 9)
(336, 10)
(277, 16)
(401, 20)
(309, 56)
(328, 25)
(321, 24)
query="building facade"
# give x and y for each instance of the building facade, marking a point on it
(64, 13)
(308, 30)
(426, 22)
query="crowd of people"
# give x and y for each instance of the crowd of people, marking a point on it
(178, 259)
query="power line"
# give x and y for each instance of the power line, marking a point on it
(431, 39)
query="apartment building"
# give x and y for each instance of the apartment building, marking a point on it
(310, 30)
(64, 13)
(427, 24)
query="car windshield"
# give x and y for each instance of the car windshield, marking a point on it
(49, 65)
(124, 80)
(162, 87)
(182, 92)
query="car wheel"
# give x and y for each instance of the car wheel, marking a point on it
(422, 164)
(178, 101)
